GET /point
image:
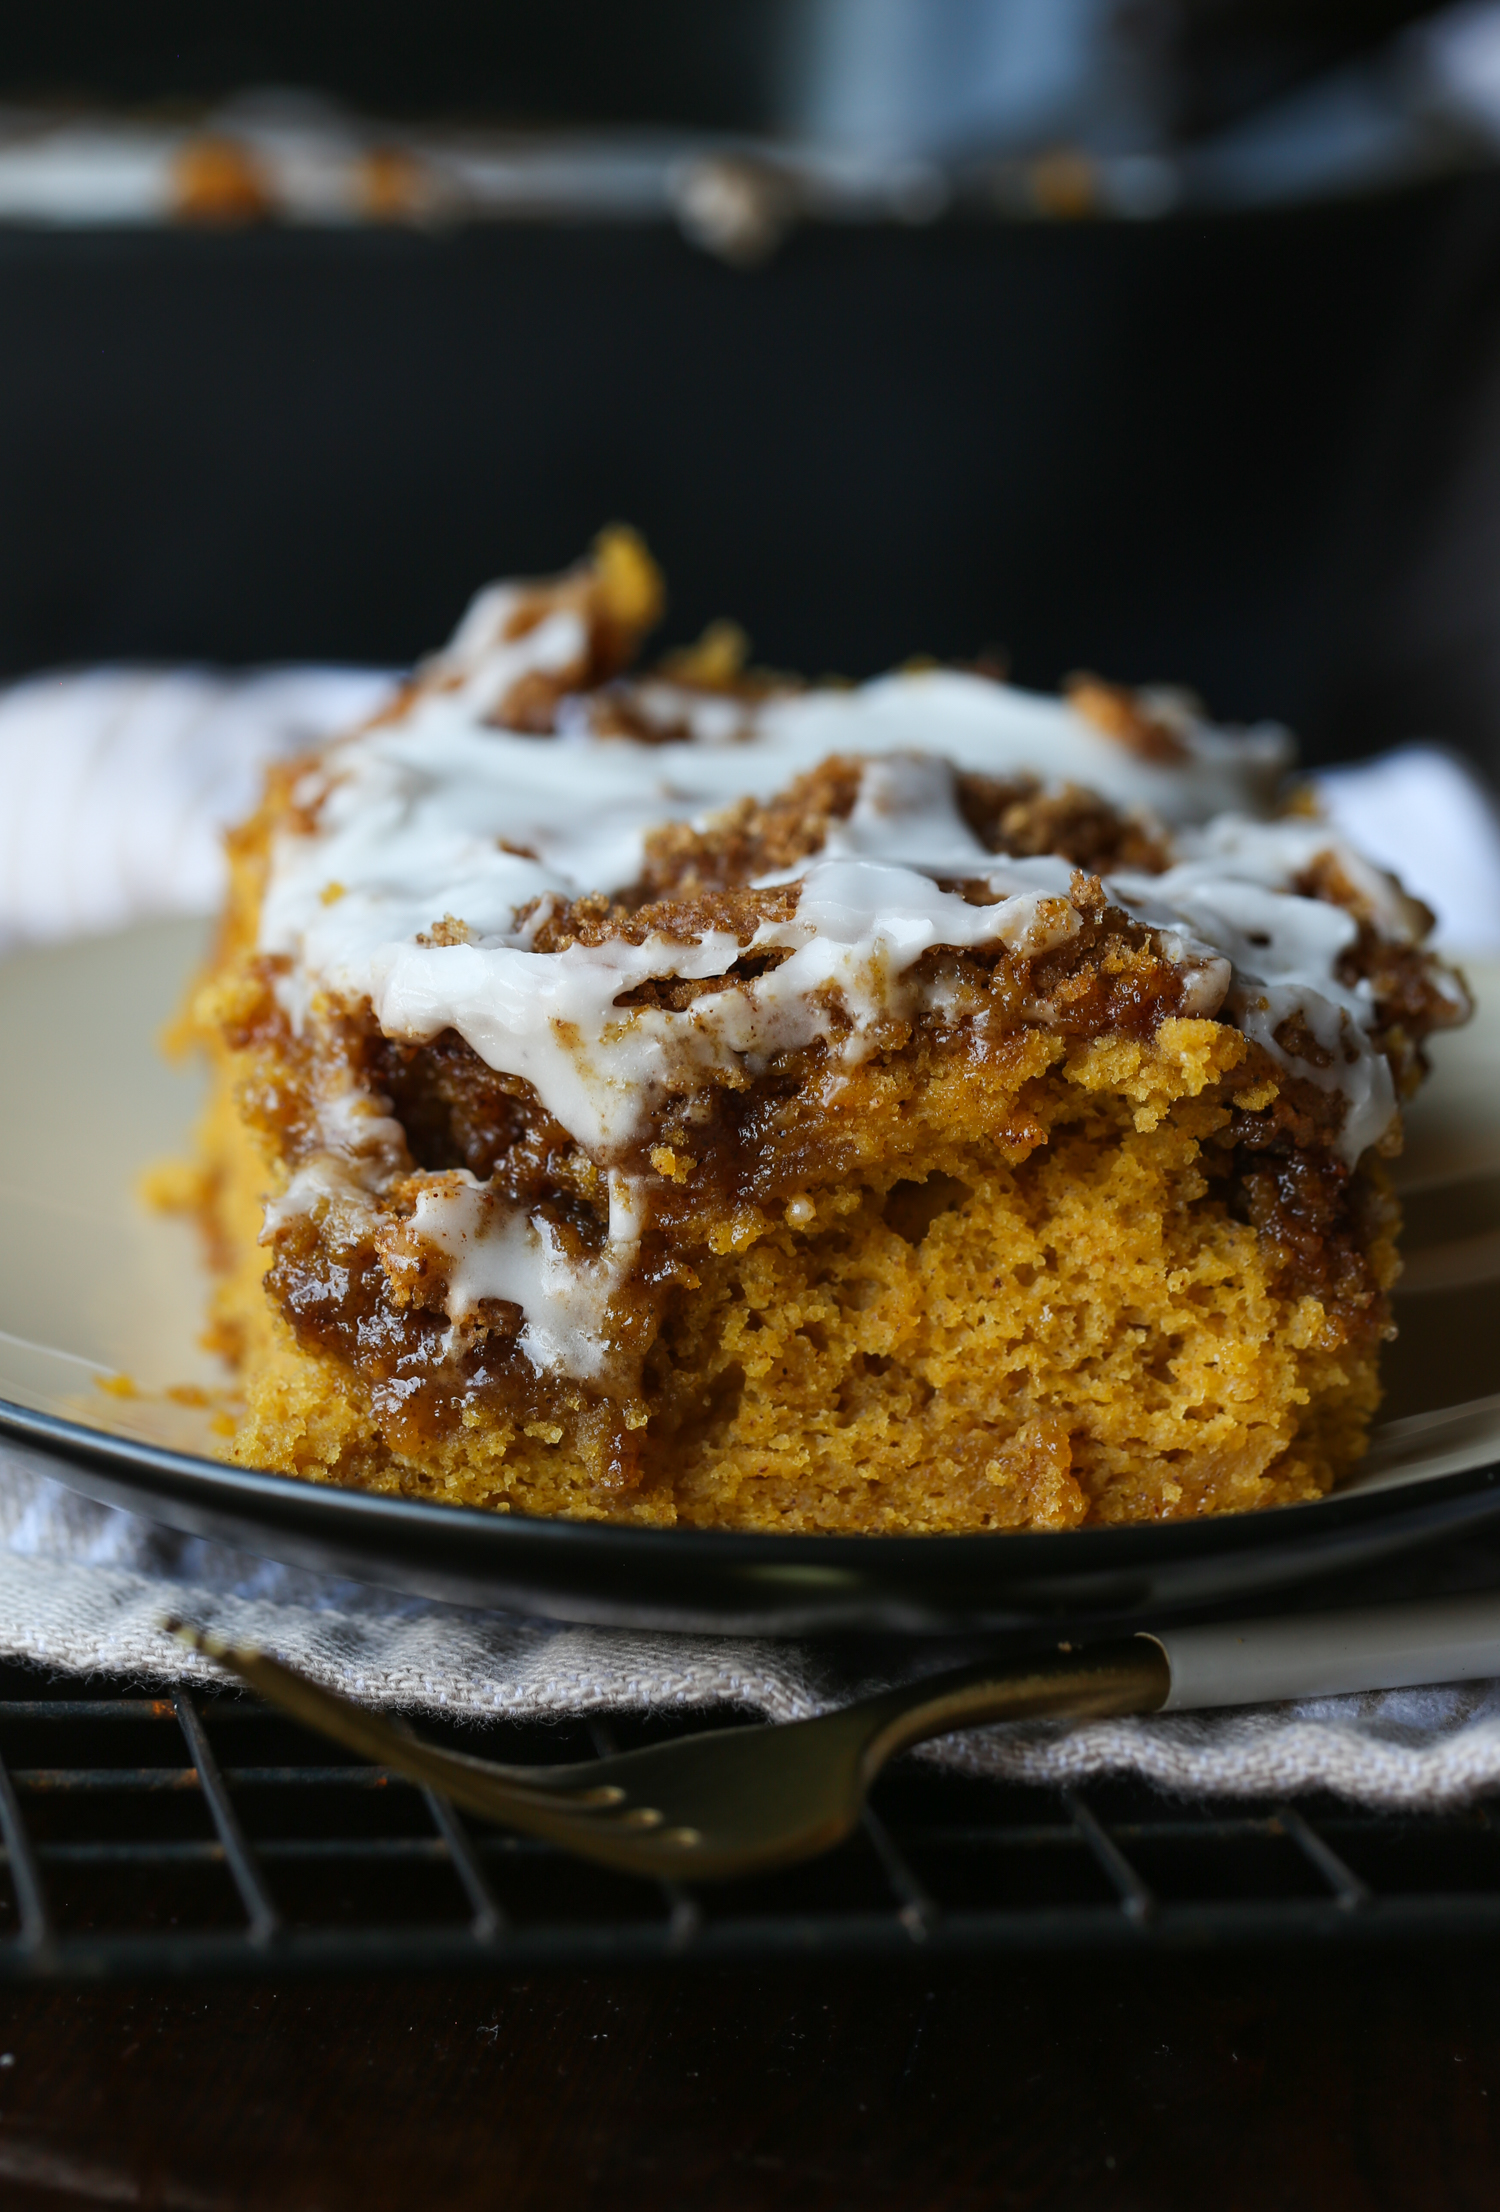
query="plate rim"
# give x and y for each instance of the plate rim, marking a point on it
(65, 1440)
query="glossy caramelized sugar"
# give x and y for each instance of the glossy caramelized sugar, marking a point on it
(691, 1097)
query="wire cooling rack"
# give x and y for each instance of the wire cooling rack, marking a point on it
(193, 1834)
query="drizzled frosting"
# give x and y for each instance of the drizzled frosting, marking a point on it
(496, 1251)
(440, 842)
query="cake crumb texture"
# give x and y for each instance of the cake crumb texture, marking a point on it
(1059, 1327)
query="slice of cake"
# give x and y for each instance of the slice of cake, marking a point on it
(692, 1097)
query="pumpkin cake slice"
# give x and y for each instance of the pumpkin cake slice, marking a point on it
(692, 1097)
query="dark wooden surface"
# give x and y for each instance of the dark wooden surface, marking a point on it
(1274, 2081)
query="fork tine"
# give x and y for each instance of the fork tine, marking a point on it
(593, 1824)
(470, 1782)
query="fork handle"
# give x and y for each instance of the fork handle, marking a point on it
(1132, 1675)
(1453, 1639)
(1385, 1647)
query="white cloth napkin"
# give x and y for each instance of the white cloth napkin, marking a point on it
(116, 785)
(114, 788)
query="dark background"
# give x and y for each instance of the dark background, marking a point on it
(722, 66)
(524, 61)
(1256, 453)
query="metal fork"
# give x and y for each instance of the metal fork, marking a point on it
(736, 1800)
(728, 1801)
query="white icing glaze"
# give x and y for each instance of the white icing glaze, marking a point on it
(483, 661)
(440, 815)
(495, 1251)
(551, 1017)
(995, 729)
(362, 1150)
(1277, 853)
(904, 813)
(1284, 954)
(709, 717)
